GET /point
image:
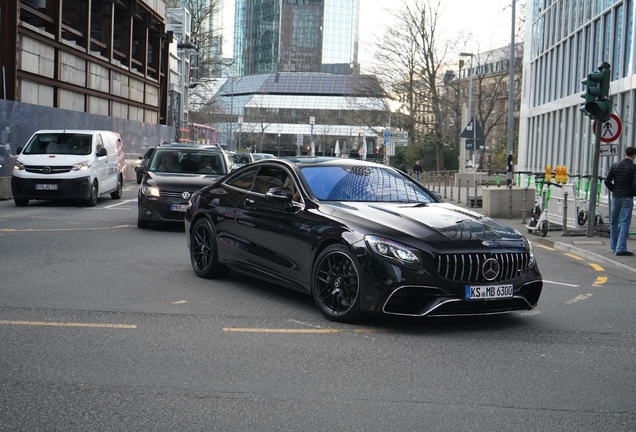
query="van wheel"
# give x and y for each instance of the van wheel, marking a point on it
(117, 193)
(21, 202)
(92, 199)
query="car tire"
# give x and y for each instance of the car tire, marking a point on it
(92, 199)
(120, 185)
(204, 254)
(336, 284)
(21, 202)
(544, 228)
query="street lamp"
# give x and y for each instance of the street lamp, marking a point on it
(470, 101)
(312, 121)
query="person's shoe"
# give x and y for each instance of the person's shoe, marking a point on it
(624, 253)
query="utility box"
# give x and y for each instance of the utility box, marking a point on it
(497, 203)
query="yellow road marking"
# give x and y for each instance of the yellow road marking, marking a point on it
(68, 324)
(576, 257)
(597, 267)
(545, 247)
(272, 330)
(579, 298)
(11, 230)
(600, 281)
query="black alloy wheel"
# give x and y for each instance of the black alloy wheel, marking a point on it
(204, 254)
(336, 284)
(92, 199)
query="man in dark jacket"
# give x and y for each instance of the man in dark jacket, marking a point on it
(417, 170)
(621, 180)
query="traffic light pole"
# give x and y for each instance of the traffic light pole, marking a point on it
(591, 211)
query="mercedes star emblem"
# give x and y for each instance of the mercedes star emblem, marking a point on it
(185, 195)
(490, 269)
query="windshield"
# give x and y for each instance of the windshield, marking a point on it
(363, 183)
(59, 143)
(188, 161)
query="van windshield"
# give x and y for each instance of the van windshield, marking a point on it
(59, 143)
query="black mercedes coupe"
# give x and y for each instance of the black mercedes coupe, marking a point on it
(360, 238)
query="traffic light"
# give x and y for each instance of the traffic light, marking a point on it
(597, 102)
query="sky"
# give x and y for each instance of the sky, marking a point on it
(489, 22)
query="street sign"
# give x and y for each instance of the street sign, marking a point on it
(387, 133)
(390, 149)
(399, 135)
(612, 129)
(609, 150)
(399, 141)
(469, 133)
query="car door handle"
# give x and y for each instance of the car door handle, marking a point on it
(248, 201)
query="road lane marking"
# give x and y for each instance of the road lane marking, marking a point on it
(576, 257)
(119, 203)
(600, 281)
(596, 267)
(560, 283)
(282, 330)
(179, 302)
(530, 313)
(545, 247)
(68, 324)
(579, 298)
(13, 230)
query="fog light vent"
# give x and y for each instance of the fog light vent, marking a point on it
(148, 212)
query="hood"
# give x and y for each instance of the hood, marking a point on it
(179, 182)
(53, 159)
(434, 222)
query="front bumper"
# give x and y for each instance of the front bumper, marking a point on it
(50, 188)
(160, 209)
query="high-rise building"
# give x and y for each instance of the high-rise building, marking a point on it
(565, 41)
(296, 36)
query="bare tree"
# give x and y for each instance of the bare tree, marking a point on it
(417, 55)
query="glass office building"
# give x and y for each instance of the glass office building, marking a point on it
(565, 41)
(296, 36)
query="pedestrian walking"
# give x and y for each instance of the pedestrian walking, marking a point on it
(417, 170)
(621, 181)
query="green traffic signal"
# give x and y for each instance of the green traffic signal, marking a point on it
(601, 110)
(597, 103)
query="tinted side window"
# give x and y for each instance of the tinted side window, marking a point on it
(243, 180)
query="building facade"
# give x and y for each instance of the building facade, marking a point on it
(300, 113)
(565, 41)
(296, 36)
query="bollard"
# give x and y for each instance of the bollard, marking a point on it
(459, 191)
(475, 193)
(445, 184)
(439, 183)
(510, 201)
(468, 193)
(524, 210)
(451, 188)
(564, 230)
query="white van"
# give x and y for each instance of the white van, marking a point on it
(69, 164)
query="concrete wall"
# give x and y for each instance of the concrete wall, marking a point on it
(496, 202)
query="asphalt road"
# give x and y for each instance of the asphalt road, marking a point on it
(104, 326)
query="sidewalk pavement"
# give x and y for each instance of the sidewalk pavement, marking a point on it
(594, 249)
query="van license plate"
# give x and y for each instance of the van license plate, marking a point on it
(486, 292)
(178, 207)
(46, 187)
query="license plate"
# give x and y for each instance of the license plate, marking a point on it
(46, 187)
(178, 207)
(486, 292)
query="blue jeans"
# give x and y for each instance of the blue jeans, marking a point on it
(417, 175)
(621, 211)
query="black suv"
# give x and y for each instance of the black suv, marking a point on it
(173, 174)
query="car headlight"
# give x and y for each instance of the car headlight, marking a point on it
(81, 166)
(146, 189)
(394, 251)
(18, 166)
(531, 252)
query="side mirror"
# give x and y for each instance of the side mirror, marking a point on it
(101, 152)
(140, 169)
(282, 194)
